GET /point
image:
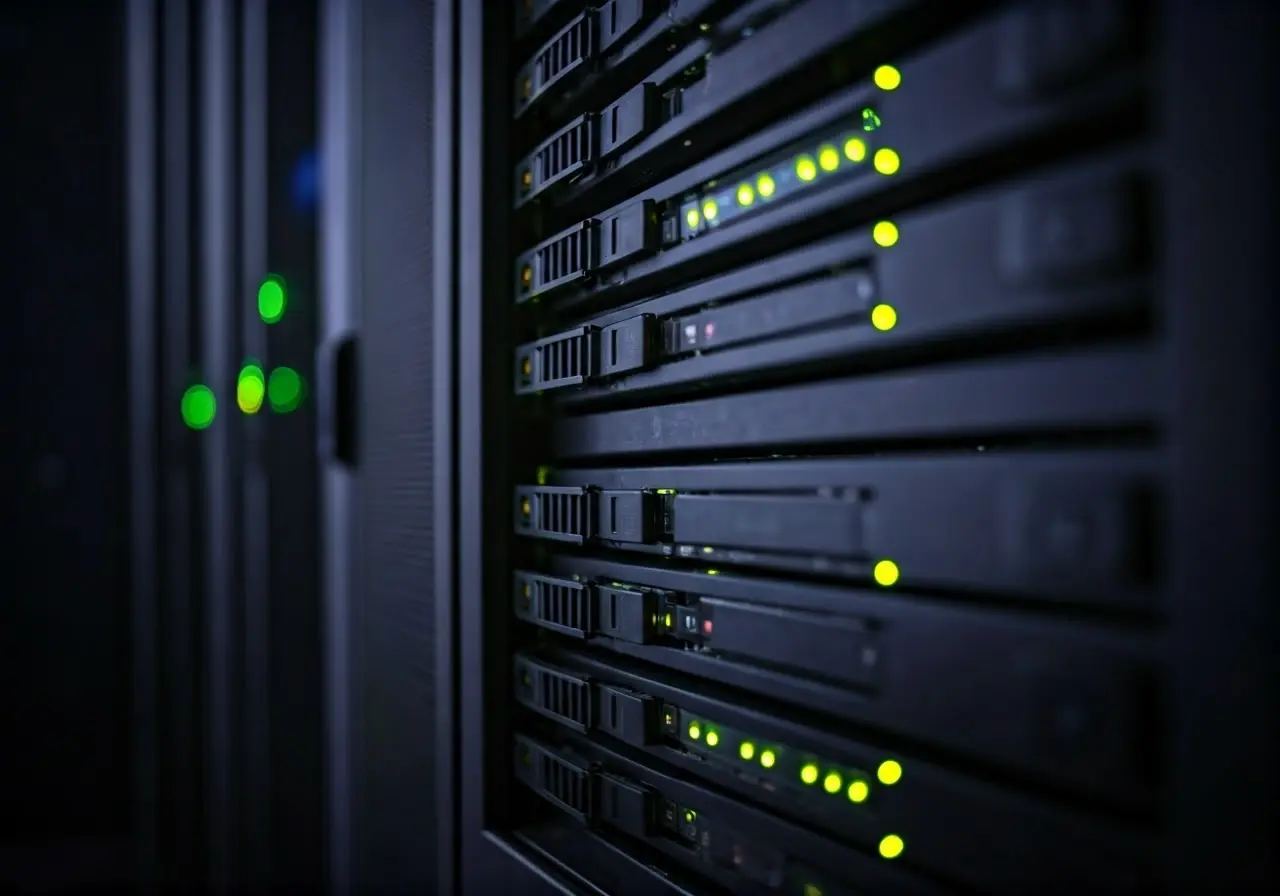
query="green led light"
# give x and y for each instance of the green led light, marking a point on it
(886, 572)
(884, 318)
(768, 758)
(691, 218)
(870, 120)
(765, 186)
(251, 389)
(710, 209)
(889, 773)
(199, 407)
(695, 731)
(832, 782)
(284, 390)
(886, 77)
(713, 739)
(809, 773)
(887, 161)
(858, 791)
(747, 750)
(828, 158)
(543, 473)
(272, 299)
(891, 846)
(885, 233)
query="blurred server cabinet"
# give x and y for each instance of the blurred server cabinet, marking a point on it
(860, 472)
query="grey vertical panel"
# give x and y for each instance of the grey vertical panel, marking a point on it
(252, 430)
(217, 179)
(140, 177)
(339, 278)
(1220, 292)
(397, 617)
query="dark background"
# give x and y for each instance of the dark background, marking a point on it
(64, 578)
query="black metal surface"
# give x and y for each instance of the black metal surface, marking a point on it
(1180, 373)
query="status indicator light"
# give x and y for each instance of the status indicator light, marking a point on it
(886, 77)
(713, 739)
(272, 299)
(889, 773)
(887, 161)
(691, 218)
(713, 572)
(746, 195)
(747, 750)
(886, 573)
(891, 846)
(870, 120)
(710, 210)
(284, 390)
(690, 816)
(884, 318)
(526, 275)
(765, 186)
(858, 791)
(885, 233)
(806, 170)
(809, 773)
(855, 149)
(199, 407)
(812, 890)
(543, 473)
(828, 158)
(251, 389)
(832, 782)
(768, 758)
(695, 731)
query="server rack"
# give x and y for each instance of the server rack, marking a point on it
(842, 516)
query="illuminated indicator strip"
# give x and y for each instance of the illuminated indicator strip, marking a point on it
(788, 177)
(834, 778)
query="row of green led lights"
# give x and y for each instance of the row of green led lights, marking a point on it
(283, 390)
(806, 169)
(888, 773)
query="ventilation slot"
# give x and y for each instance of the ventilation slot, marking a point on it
(566, 514)
(562, 156)
(562, 260)
(566, 359)
(567, 785)
(565, 697)
(564, 54)
(564, 607)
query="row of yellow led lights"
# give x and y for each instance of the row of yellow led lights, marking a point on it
(283, 389)
(811, 773)
(885, 160)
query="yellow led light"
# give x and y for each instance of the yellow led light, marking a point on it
(667, 620)
(746, 195)
(526, 275)
(250, 392)
(527, 178)
(691, 218)
(832, 782)
(712, 739)
(747, 750)
(886, 573)
(806, 170)
(884, 318)
(695, 731)
(809, 773)
(885, 234)
(768, 758)
(713, 572)
(887, 161)
(858, 791)
(828, 158)
(855, 149)
(890, 772)
(708, 550)
(709, 210)
(765, 186)
(886, 77)
(525, 508)
(891, 846)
